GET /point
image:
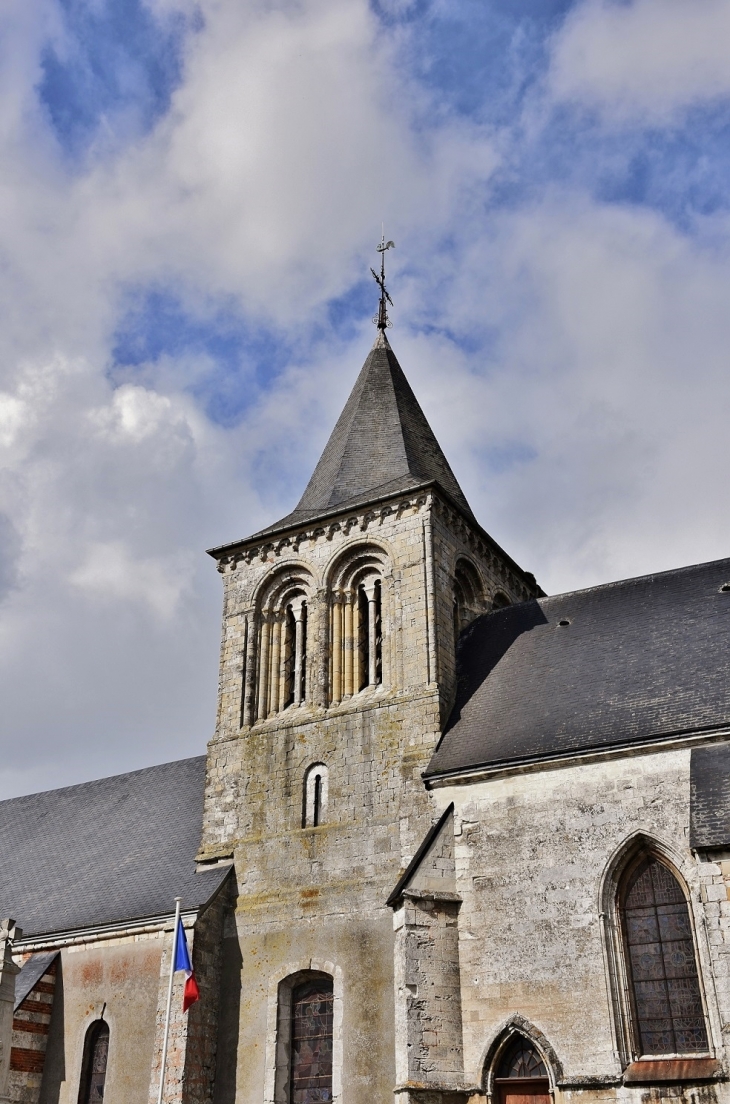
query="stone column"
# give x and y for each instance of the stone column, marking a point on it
(299, 645)
(8, 971)
(275, 663)
(336, 648)
(349, 646)
(249, 680)
(264, 666)
(370, 589)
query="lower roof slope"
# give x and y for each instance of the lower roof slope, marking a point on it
(117, 849)
(628, 662)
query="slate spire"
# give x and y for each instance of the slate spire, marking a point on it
(382, 444)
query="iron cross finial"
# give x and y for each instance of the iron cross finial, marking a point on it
(381, 320)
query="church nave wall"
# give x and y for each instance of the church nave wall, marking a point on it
(535, 854)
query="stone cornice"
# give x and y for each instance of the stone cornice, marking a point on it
(375, 513)
(323, 528)
(670, 742)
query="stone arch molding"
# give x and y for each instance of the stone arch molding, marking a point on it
(94, 1015)
(469, 593)
(280, 986)
(275, 582)
(635, 846)
(276, 672)
(315, 795)
(360, 615)
(516, 1024)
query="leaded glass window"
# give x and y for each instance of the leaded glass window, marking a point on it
(311, 1043)
(661, 959)
(95, 1060)
(520, 1059)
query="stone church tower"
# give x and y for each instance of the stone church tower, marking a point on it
(337, 672)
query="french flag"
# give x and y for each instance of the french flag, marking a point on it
(181, 961)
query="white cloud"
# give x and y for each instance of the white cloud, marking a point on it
(112, 574)
(645, 59)
(292, 135)
(12, 417)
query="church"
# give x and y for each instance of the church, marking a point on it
(453, 841)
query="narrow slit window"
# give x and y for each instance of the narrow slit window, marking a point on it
(315, 796)
(317, 800)
(300, 659)
(363, 650)
(290, 632)
(378, 634)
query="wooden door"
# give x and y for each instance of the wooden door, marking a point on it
(523, 1090)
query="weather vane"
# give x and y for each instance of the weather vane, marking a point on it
(381, 319)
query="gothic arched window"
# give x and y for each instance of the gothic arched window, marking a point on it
(667, 1010)
(93, 1071)
(310, 1077)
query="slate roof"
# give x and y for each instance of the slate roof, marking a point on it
(709, 807)
(382, 444)
(639, 660)
(117, 849)
(31, 973)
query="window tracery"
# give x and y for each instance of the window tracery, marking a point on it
(356, 623)
(521, 1059)
(666, 999)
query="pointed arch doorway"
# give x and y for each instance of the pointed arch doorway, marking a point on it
(521, 1076)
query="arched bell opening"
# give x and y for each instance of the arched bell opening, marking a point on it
(357, 619)
(468, 598)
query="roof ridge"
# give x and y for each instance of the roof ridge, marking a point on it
(634, 579)
(104, 778)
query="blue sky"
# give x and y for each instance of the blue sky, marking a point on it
(192, 199)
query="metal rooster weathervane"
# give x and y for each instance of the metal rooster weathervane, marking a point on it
(381, 319)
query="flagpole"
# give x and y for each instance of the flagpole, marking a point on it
(169, 1001)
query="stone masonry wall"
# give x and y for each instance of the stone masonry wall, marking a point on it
(31, 1025)
(117, 980)
(193, 1035)
(535, 857)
